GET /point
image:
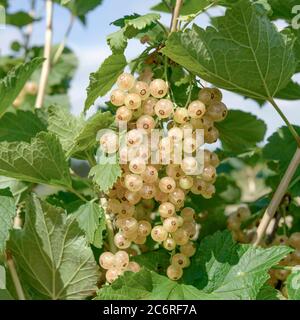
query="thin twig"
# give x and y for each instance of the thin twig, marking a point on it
(29, 30)
(14, 276)
(62, 45)
(277, 198)
(175, 15)
(284, 118)
(47, 55)
(72, 190)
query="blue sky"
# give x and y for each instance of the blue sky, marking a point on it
(89, 44)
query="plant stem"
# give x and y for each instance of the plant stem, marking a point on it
(91, 159)
(175, 15)
(62, 45)
(77, 194)
(29, 30)
(277, 198)
(14, 276)
(47, 55)
(109, 226)
(284, 118)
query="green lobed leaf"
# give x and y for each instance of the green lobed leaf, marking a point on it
(13, 83)
(245, 53)
(20, 126)
(51, 255)
(75, 134)
(41, 161)
(80, 7)
(231, 270)
(91, 219)
(293, 285)
(188, 7)
(282, 9)
(268, 293)
(290, 92)
(105, 175)
(4, 293)
(102, 80)
(7, 213)
(19, 19)
(150, 286)
(240, 131)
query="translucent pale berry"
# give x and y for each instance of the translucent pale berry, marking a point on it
(121, 260)
(112, 274)
(169, 244)
(125, 81)
(175, 134)
(129, 226)
(189, 145)
(166, 209)
(150, 174)
(214, 159)
(148, 191)
(181, 115)
(174, 171)
(209, 191)
(140, 239)
(134, 137)
(117, 97)
(177, 197)
(167, 184)
(217, 111)
(109, 142)
(142, 89)
(190, 227)
(209, 173)
(174, 272)
(170, 224)
(294, 240)
(132, 197)
(211, 135)
(180, 260)
(107, 260)
(199, 186)
(144, 228)
(146, 123)
(127, 209)
(133, 182)
(113, 206)
(159, 234)
(137, 165)
(133, 267)
(196, 109)
(123, 114)
(188, 214)
(121, 241)
(181, 236)
(148, 106)
(188, 249)
(161, 196)
(132, 101)
(216, 95)
(158, 88)
(189, 165)
(164, 108)
(166, 145)
(186, 182)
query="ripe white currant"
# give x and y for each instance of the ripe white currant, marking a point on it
(158, 88)
(125, 81)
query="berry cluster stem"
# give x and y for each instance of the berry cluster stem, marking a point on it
(279, 194)
(47, 55)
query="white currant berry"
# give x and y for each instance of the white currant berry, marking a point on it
(174, 171)
(186, 182)
(158, 88)
(132, 101)
(211, 135)
(142, 89)
(217, 111)
(199, 186)
(243, 213)
(113, 206)
(175, 134)
(150, 174)
(146, 123)
(123, 114)
(189, 165)
(137, 165)
(107, 260)
(209, 173)
(148, 106)
(148, 191)
(133, 267)
(161, 196)
(188, 249)
(112, 274)
(196, 109)
(189, 145)
(132, 197)
(164, 108)
(117, 97)
(294, 240)
(129, 226)
(125, 81)
(166, 209)
(166, 145)
(171, 224)
(121, 260)
(180, 260)
(127, 210)
(191, 228)
(133, 182)
(181, 236)
(121, 241)
(140, 239)
(177, 197)
(169, 244)
(134, 138)
(167, 184)
(144, 228)
(109, 142)
(181, 115)
(159, 234)
(188, 214)
(143, 152)
(174, 272)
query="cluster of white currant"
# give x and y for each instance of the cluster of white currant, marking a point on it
(235, 221)
(148, 191)
(116, 264)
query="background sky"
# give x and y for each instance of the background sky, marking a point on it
(89, 44)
